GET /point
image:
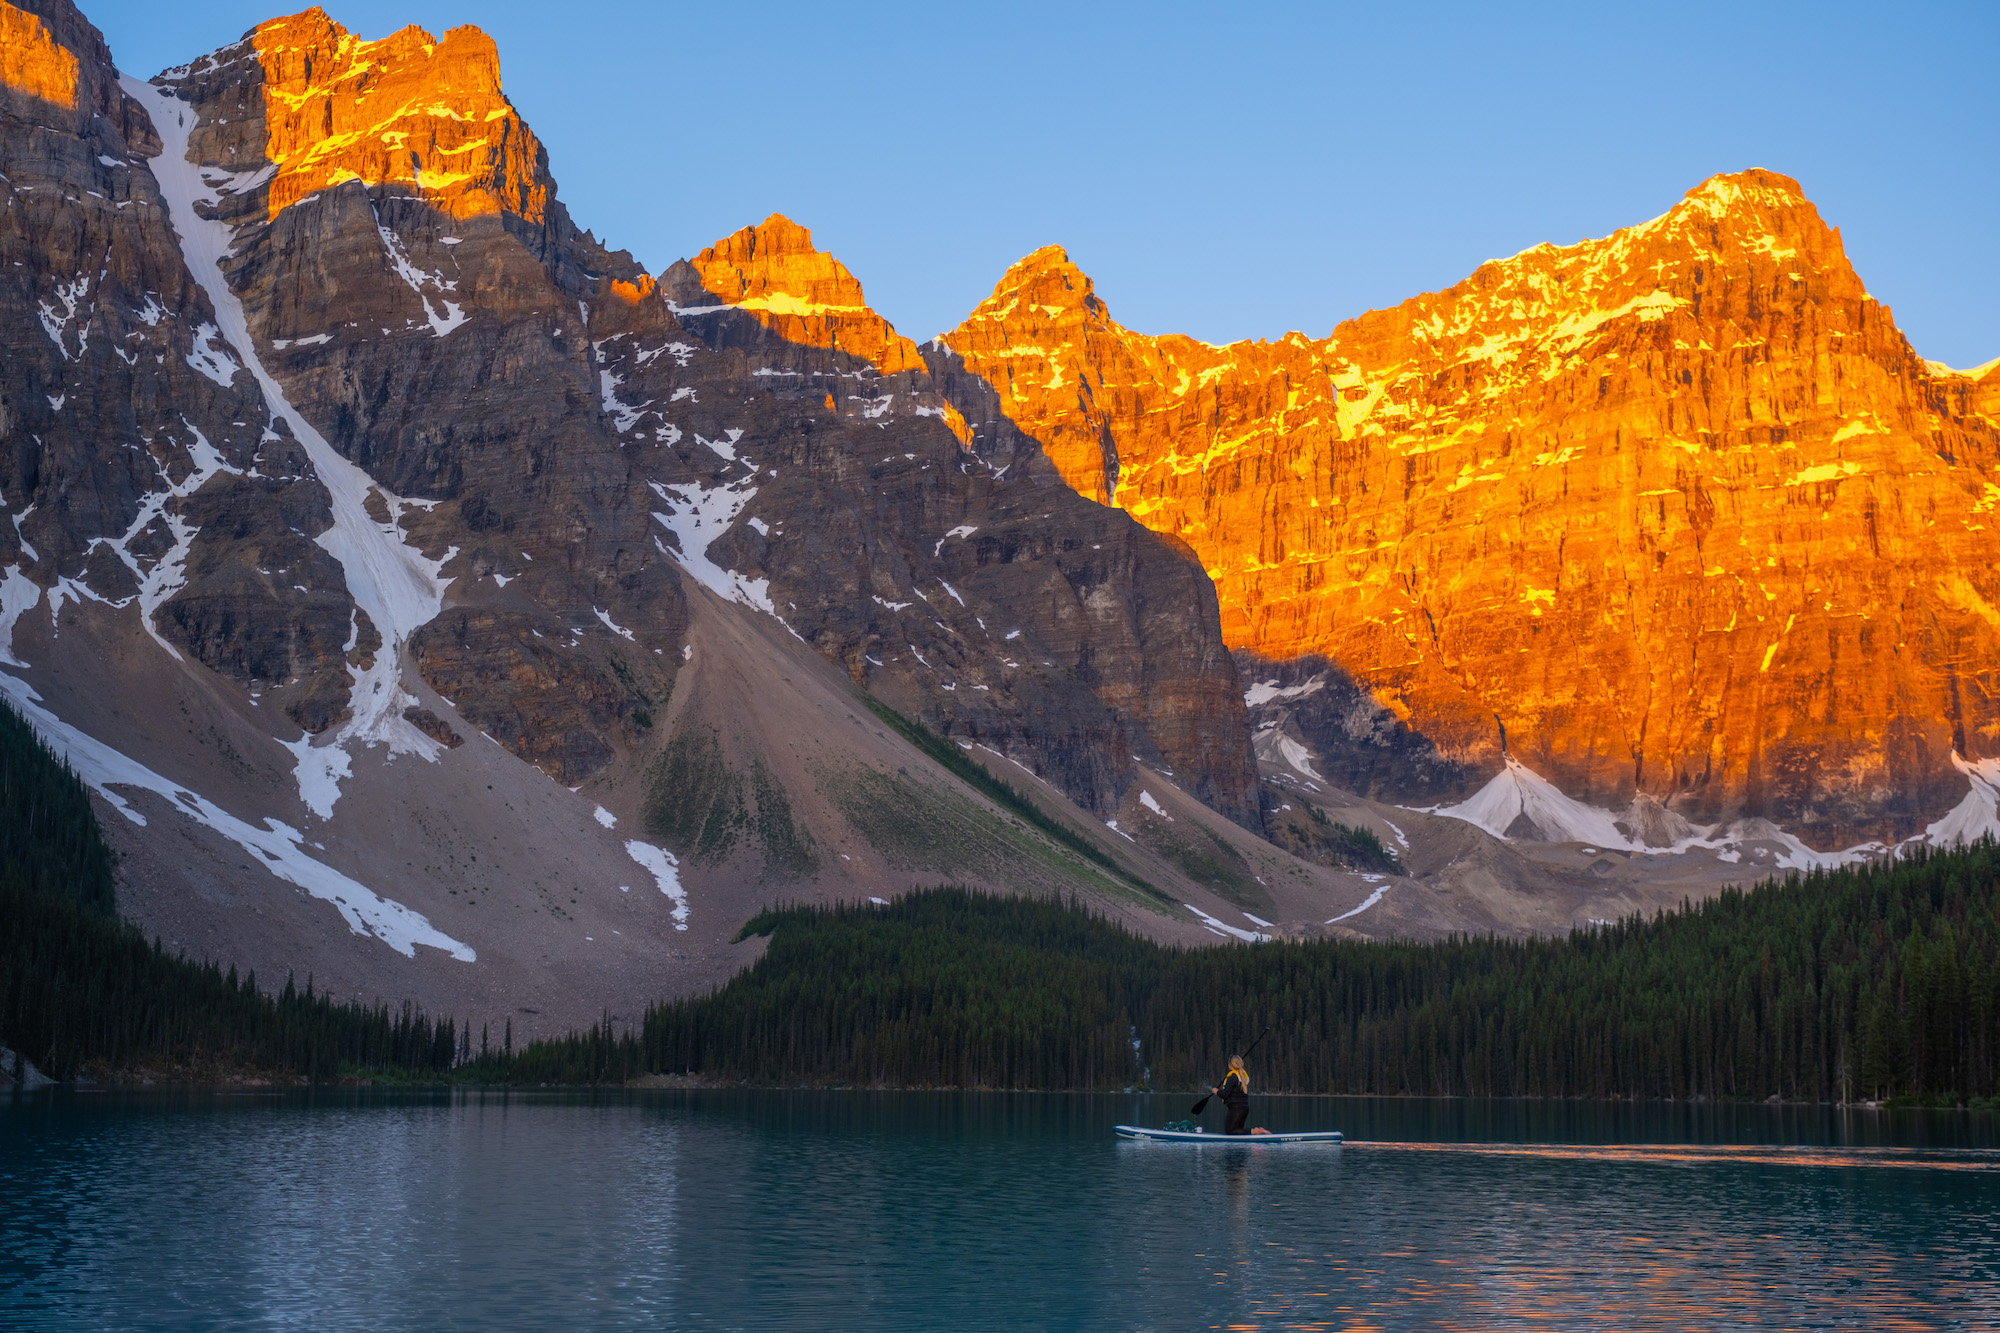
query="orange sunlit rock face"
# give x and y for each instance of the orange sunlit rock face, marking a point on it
(31, 61)
(801, 294)
(772, 273)
(405, 108)
(1679, 509)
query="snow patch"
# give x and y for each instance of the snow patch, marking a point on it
(1265, 691)
(666, 873)
(1975, 817)
(18, 593)
(1223, 927)
(623, 416)
(605, 817)
(1272, 744)
(210, 359)
(278, 847)
(1366, 903)
(397, 585)
(962, 530)
(703, 514)
(418, 279)
(1146, 799)
(1520, 804)
(1517, 793)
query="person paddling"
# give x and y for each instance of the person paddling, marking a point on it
(1235, 1094)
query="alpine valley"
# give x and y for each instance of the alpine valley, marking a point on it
(442, 606)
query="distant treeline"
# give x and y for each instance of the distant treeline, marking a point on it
(1866, 982)
(80, 987)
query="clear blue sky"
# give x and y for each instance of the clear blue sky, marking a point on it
(1232, 171)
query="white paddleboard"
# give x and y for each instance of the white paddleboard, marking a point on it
(1183, 1136)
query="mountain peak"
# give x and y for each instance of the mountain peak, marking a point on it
(32, 61)
(1753, 185)
(408, 108)
(776, 237)
(773, 272)
(1045, 282)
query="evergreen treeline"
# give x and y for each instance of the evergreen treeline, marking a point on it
(78, 986)
(50, 842)
(942, 988)
(1865, 982)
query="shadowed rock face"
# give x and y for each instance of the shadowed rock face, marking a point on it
(1350, 739)
(1679, 511)
(575, 438)
(138, 462)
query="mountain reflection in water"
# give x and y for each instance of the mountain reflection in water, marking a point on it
(717, 1210)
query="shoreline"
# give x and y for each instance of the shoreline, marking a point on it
(246, 1084)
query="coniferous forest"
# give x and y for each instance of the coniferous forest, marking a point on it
(79, 987)
(1848, 985)
(1864, 983)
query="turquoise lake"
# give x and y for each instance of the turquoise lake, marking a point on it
(746, 1210)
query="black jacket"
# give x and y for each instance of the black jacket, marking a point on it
(1232, 1092)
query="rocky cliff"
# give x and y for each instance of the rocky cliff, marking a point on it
(126, 426)
(397, 244)
(1676, 513)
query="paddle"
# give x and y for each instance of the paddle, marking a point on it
(1200, 1105)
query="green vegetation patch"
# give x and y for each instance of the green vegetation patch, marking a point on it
(1306, 832)
(695, 803)
(1206, 857)
(693, 798)
(919, 827)
(954, 760)
(789, 850)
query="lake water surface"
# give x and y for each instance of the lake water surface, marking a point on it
(907, 1211)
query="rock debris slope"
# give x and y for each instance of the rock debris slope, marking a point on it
(1677, 514)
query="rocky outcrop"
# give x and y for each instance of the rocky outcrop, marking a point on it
(1678, 512)
(382, 285)
(772, 273)
(427, 114)
(139, 464)
(983, 595)
(1311, 717)
(33, 64)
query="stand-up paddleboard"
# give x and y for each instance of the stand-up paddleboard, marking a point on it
(1183, 1136)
